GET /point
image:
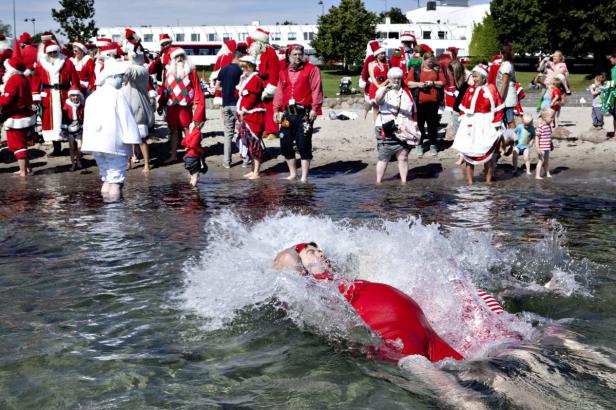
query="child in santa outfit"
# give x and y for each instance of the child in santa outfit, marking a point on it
(194, 157)
(251, 113)
(109, 129)
(72, 124)
(16, 112)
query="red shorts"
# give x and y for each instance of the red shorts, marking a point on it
(179, 116)
(17, 141)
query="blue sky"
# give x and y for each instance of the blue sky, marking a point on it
(186, 12)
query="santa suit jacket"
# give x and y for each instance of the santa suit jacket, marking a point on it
(250, 104)
(483, 100)
(85, 72)
(16, 103)
(197, 100)
(71, 112)
(5, 54)
(29, 56)
(50, 85)
(269, 71)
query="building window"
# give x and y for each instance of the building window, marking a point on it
(227, 36)
(242, 36)
(148, 38)
(292, 36)
(427, 35)
(394, 34)
(179, 37)
(195, 37)
(442, 35)
(212, 37)
(309, 36)
(276, 36)
(116, 38)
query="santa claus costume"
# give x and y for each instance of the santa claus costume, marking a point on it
(364, 78)
(181, 93)
(72, 123)
(29, 53)
(251, 110)
(53, 77)
(99, 60)
(110, 129)
(379, 71)
(268, 67)
(401, 58)
(157, 67)
(84, 65)
(481, 125)
(225, 57)
(15, 110)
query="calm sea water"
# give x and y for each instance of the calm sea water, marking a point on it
(167, 299)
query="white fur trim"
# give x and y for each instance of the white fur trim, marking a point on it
(19, 123)
(56, 98)
(379, 51)
(179, 51)
(480, 70)
(79, 64)
(51, 48)
(259, 35)
(362, 84)
(80, 46)
(269, 91)
(217, 101)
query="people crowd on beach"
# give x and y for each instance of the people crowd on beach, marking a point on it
(49, 91)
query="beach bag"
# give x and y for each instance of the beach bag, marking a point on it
(407, 130)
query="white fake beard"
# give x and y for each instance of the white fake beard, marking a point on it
(6, 76)
(51, 60)
(257, 48)
(181, 69)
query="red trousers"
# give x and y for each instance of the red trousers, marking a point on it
(17, 141)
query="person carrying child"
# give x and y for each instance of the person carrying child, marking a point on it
(544, 142)
(553, 98)
(525, 137)
(72, 124)
(595, 91)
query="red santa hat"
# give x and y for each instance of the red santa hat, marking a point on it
(176, 51)
(481, 69)
(109, 49)
(50, 47)
(102, 42)
(80, 45)
(48, 36)
(453, 51)
(408, 37)
(25, 38)
(426, 48)
(131, 34)
(261, 35)
(15, 63)
(496, 59)
(376, 48)
(231, 45)
(163, 39)
(75, 91)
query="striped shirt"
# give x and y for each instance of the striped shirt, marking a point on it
(543, 133)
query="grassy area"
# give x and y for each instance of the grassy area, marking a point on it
(331, 80)
(577, 82)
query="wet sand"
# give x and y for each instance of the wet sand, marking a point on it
(348, 148)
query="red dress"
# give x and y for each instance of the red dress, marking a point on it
(251, 106)
(380, 74)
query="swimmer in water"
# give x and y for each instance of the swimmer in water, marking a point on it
(387, 311)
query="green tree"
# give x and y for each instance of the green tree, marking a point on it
(5, 29)
(344, 32)
(76, 19)
(484, 42)
(396, 16)
(577, 28)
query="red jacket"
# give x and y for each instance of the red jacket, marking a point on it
(269, 70)
(71, 113)
(483, 100)
(250, 104)
(85, 72)
(16, 103)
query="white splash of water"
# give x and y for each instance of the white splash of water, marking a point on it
(235, 272)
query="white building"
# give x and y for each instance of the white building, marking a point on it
(448, 25)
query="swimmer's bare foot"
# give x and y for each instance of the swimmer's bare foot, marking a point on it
(248, 175)
(538, 177)
(291, 177)
(146, 169)
(304, 180)
(254, 176)
(549, 175)
(528, 173)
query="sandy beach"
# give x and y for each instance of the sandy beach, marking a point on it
(349, 147)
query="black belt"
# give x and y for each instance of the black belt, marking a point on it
(297, 109)
(57, 86)
(380, 79)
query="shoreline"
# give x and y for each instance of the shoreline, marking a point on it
(348, 148)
